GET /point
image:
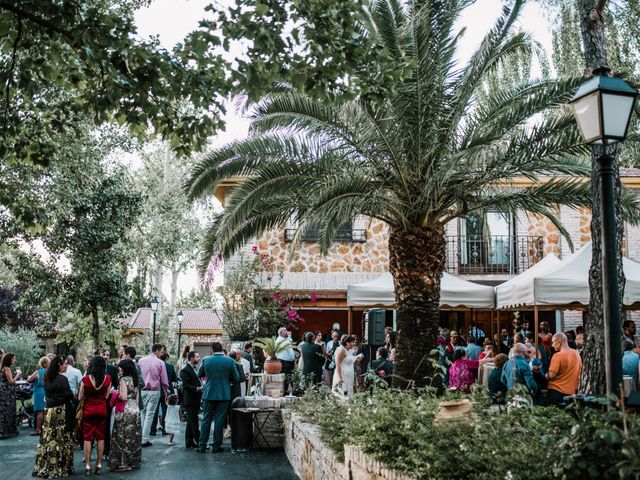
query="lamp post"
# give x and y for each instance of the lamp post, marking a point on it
(180, 317)
(603, 107)
(154, 309)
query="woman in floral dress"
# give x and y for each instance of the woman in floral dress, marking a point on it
(126, 438)
(8, 425)
(54, 456)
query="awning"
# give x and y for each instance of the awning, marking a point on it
(454, 292)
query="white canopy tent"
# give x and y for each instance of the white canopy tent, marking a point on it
(519, 290)
(562, 283)
(454, 292)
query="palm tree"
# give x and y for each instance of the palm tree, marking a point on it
(427, 154)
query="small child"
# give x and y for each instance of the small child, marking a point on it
(172, 419)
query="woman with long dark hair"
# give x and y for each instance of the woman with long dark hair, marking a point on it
(8, 425)
(54, 457)
(126, 438)
(94, 390)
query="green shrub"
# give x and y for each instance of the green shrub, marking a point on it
(24, 345)
(398, 428)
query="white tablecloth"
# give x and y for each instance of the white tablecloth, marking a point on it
(484, 372)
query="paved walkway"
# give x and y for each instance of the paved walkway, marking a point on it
(160, 462)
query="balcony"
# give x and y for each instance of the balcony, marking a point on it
(342, 235)
(478, 254)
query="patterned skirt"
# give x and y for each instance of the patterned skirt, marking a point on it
(54, 456)
(126, 439)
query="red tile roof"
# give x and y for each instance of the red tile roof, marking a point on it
(195, 319)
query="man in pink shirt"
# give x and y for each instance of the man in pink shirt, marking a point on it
(156, 383)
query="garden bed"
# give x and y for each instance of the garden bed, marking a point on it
(392, 435)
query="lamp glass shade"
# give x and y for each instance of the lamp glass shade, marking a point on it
(154, 304)
(616, 113)
(180, 316)
(587, 112)
(603, 107)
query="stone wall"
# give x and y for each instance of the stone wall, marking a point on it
(313, 460)
(370, 256)
(539, 226)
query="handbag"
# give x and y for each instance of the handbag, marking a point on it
(116, 402)
(79, 415)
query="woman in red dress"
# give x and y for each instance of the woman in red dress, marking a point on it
(94, 389)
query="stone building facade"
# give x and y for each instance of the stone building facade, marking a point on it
(365, 256)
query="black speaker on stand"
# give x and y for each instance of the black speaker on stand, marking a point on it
(374, 324)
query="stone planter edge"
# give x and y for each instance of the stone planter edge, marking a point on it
(311, 459)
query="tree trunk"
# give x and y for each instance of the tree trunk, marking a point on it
(158, 271)
(95, 327)
(174, 290)
(592, 378)
(417, 262)
(591, 14)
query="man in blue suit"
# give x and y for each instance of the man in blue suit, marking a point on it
(220, 371)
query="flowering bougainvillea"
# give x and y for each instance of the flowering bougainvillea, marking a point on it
(248, 307)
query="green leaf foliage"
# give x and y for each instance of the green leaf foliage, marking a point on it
(401, 430)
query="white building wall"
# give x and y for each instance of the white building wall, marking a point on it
(570, 219)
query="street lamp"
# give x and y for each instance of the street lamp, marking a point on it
(180, 317)
(603, 107)
(154, 309)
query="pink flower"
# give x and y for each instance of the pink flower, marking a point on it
(301, 320)
(254, 249)
(381, 373)
(314, 297)
(292, 314)
(277, 296)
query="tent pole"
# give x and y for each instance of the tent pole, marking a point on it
(491, 324)
(350, 320)
(473, 323)
(535, 326)
(497, 329)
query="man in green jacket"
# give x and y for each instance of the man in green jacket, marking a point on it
(220, 371)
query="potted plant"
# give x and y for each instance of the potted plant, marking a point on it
(271, 348)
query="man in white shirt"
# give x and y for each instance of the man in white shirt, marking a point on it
(73, 375)
(288, 357)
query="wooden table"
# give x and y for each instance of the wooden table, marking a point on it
(257, 424)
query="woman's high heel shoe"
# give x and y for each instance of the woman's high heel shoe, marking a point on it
(98, 469)
(87, 470)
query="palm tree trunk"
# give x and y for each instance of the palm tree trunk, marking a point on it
(416, 261)
(592, 378)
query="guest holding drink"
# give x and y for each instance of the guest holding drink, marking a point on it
(8, 425)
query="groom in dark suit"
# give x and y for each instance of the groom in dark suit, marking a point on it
(191, 398)
(312, 358)
(220, 372)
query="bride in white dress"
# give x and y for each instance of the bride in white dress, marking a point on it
(344, 375)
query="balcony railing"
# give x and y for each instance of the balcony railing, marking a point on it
(342, 235)
(496, 254)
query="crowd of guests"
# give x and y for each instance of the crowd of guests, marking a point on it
(115, 408)
(549, 372)
(337, 360)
